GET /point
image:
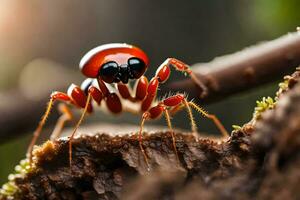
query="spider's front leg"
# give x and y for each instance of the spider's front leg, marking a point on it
(75, 96)
(162, 74)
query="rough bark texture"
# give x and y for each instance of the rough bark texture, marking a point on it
(104, 165)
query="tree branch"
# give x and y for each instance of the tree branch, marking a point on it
(15, 109)
(243, 70)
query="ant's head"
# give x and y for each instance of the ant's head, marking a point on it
(112, 72)
(113, 63)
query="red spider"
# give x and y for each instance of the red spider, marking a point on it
(109, 67)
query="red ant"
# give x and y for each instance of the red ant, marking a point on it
(109, 67)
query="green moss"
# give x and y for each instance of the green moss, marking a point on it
(265, 104)
(236, 127)
(10, 188)
(261, 106)
(283, 86)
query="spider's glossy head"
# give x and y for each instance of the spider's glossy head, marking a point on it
(114, 63)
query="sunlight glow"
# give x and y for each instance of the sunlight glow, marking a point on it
(6, 14)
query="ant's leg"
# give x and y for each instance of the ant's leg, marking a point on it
(151, 94)
(168, 118)
(145, 116)
(95, 94)
(77, 126)
(192, 120)
(78, 97)
(54, 96)
(155, 112)
(210, 116)
(112, 100)
(163, 72)
(66, 116)
(176, 109)
(141, 88)
(125, 92)
(188, 106)
(179, 107)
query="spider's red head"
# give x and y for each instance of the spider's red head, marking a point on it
(114, 63)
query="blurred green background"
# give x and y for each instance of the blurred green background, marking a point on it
(61, 31)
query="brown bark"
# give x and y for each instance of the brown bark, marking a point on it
(103, 165)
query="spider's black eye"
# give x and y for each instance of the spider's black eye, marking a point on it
(109, 72)
(137, 67)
